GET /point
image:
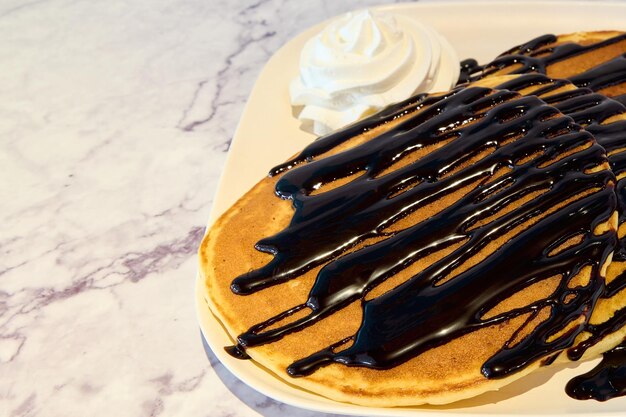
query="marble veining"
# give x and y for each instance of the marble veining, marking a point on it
(115, 121)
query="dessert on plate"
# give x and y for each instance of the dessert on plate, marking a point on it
(461, 242)
(442, 247)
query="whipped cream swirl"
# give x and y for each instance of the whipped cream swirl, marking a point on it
(364, 61)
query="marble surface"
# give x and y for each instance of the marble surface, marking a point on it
(115, 120)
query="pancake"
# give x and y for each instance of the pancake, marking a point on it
(596, 60)
(605, 118)
(442, 248)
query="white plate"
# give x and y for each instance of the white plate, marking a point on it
(268, 134)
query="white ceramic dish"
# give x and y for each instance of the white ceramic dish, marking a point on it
(268, 134)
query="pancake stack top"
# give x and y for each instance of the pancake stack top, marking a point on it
(441, 248)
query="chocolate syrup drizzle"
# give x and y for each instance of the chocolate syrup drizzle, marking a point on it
(587, 109)
(429, 310)
(539, 53)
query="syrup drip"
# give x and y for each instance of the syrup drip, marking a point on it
(588, 109)
(428, 310)
(607, 380)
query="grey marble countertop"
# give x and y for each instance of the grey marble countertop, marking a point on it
(115, 120)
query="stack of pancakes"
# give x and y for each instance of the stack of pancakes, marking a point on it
(439, 249)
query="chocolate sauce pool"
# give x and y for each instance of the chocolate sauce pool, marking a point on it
(607, 380)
